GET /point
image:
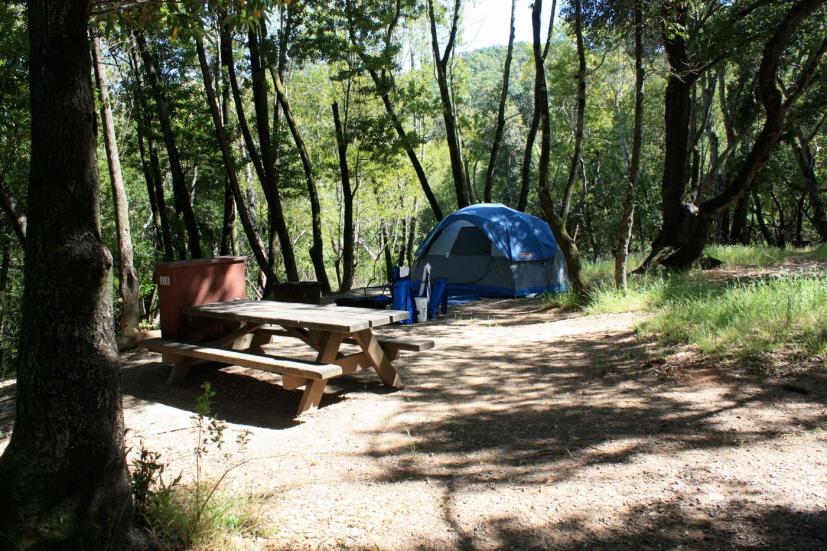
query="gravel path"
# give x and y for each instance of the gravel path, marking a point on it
(521, 430)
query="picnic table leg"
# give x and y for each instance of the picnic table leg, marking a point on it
(180, 367)
(328, 346)
(376, 354)
(312, 395)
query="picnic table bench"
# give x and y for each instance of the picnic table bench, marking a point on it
(235, 332)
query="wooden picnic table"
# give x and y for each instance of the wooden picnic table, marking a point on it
(246, 326)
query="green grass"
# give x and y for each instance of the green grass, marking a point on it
(759, 255)
(174, 519)
(746, 319)
(723, 319)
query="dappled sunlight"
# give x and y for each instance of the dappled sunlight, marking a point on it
(522, 428)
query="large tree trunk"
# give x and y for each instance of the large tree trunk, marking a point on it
(230, 169)
(348, 236)
(317, 250)
(128, 283)
(579, 117)
(63, 476)
(541, 111)
(264, 164)
(500, 125)
(624, 233)
(441, 61)
(183, 204)
(685, 229)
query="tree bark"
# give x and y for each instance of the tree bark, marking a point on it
(183, 205)
(347, 198)
(685, 229)
(230, 169)
(500, 125)
(151, 165)
(5, 264)
(541, 110)
(806, 162)
(762, 225)
(14, 213)
(441, 60)
(265, 171)
(129, 286)
(229, 235)
(528, 153)
(580, 114)
(63, 476)
(624, 233)
(317, 250)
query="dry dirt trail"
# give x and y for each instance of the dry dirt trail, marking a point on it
(521, 430)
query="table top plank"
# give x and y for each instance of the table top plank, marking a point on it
(324, 318)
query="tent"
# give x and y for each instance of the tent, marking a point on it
(491, 250)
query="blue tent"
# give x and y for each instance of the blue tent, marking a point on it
(492, 250)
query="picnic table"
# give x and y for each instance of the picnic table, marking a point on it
(235, 333)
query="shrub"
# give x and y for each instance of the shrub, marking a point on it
(196, 514)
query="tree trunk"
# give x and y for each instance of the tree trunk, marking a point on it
(737, 228)
(580, 114)
(685, 229)
(229, 235)
(500, 125)
(624, 233)
(230, 169)
(264, 167)
(541, 111)
(405, 141)
(759, 217)
(179, 186)
(63, 477)
(347, 198)
(14, 213)
(268, 157)
(128, 283)
(441, 61)
(317, 250)
(528, 153)
(5, 264)
(525, 171)
(806, 162)
(151, 165)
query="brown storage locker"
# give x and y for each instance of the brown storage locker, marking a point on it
(192, 282)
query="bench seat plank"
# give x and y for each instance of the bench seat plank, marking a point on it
(389, 342)
(296, 368)
(410, 344)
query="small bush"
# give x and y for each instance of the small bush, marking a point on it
(197, 514)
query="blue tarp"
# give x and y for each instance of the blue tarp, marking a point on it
(520, 236)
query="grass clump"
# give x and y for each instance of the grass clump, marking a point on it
(195, 515)
(747, 319)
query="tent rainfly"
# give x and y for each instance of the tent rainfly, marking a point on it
(491, 250)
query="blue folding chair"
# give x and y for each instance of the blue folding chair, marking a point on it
(439, 297)
(402, 299)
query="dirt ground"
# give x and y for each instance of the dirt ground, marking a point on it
(522, 429)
